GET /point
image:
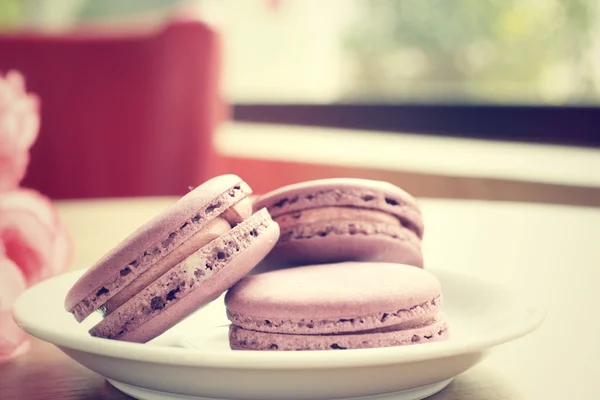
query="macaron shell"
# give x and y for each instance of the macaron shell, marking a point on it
(213, 230)
(242, 339)
(338, 241)
(332, 291)
(360, 193)
(192, 283)
(153, 241)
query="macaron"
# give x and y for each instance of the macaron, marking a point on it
(338, 306)
(176, 263)
(343, 219)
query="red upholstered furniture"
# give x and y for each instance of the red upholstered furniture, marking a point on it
(122, 115)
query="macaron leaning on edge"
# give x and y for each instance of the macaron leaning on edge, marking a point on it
(336, 306)
(176, 263)
(344, 219)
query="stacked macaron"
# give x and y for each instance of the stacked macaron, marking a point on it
(334, 220)
(345, 256)
(346, 272)
(175, 264)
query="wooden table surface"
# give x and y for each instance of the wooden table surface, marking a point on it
(551, 251)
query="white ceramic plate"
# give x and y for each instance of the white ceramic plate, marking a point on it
(193, 360)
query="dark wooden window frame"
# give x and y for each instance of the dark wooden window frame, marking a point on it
(569, 125)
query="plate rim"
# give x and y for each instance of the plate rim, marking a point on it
(179, 356)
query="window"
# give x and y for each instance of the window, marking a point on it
(441, 66)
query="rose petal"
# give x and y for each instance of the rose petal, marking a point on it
(12, 283)
(59, 251)
(32, 201)
(16, 81)
(19, 127)
(27, 243)
(13, 340)
(27, 121)
(12, 169)
(19, 112)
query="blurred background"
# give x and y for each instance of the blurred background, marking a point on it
(494, 100)
(525, 52)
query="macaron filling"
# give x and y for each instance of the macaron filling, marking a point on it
(343, 213)
(193, 224)
(313, 215)
(407, 212)
(182, 279)
(217, 227)
(243, 339)
(325, 221)
(402, 318)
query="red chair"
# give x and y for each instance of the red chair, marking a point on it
(122, 115)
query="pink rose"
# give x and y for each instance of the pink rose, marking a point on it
(33, 243)
(19, 126)
(33, 246)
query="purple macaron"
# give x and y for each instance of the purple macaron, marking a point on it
(176, 263)
(343, 219)
(336, 306)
